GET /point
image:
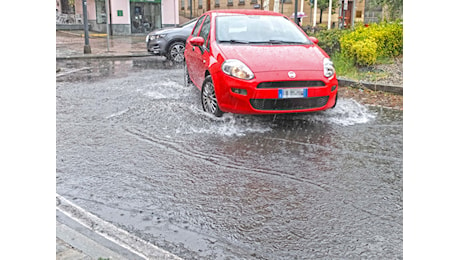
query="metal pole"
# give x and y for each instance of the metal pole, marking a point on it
(107, 15)
(295, 12)
(86, 48)
(329, 18)
(353, 13)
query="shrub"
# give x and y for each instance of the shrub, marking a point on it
(329, 40)
(385, 38)
(365, 52)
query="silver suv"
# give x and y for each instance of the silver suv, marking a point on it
(170, 42)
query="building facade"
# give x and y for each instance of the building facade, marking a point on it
(126, 16)
(142, 16)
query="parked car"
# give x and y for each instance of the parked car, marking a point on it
(170, 42)
(258, 62)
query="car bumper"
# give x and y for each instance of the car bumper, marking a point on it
(251, 97)
(157, 47)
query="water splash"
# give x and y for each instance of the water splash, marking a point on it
(348, 112)
(227, 125)
(165, 90)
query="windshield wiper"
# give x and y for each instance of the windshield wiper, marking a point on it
(235, 41)
(284, 42)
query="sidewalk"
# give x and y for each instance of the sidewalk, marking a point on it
(70, 44)
(80, 235)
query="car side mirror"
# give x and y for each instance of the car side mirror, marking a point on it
(197, 41)
(314, 40)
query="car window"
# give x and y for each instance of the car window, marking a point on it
(205, 30)
(197, 26)
(258, 29)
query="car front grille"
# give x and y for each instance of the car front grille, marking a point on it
(289, 103)
(292, 84)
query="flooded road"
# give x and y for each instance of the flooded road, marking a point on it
(134, 148)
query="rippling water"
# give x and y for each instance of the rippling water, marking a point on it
(135, 148)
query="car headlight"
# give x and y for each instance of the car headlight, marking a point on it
(152, 37)
(237, 69)
(328, 67)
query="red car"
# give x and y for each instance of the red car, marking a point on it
(258, 62)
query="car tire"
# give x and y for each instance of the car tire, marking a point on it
(187, 80)
(336, 98)
(176, 52)
(209, 98)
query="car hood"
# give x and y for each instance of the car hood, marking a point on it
(276, 57)
(165, 30)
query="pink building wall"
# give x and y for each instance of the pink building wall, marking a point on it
(122, 5)
(90, 6)
(170, 12)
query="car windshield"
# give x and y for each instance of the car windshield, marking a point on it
(258, 29)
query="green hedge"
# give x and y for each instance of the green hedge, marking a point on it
(329, 40)
(365, 45)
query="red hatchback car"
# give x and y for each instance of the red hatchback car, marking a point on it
(258, 62)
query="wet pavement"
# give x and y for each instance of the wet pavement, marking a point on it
(135, 149)
(70, 44)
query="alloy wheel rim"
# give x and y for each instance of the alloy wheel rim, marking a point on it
(209, 98)
(177, 53)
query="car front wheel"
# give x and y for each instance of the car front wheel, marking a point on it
(187, 79)
(176, 52)
(209, 99)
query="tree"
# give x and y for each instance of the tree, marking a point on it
(393, 8)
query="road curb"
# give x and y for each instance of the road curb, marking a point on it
(104, 56)
(372, 86)
(96, 237)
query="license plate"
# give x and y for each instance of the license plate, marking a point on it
(293, 93)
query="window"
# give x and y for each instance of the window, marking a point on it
(217, 3)
(200, 4)
(182, 4)
(229, 2)
(205, 30)
(241, 2)
(197, 26)
(100, 11)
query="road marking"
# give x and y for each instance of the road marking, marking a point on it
(112, 233)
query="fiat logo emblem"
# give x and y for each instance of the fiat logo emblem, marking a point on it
(291, 74)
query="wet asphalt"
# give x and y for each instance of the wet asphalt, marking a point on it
(135, 149)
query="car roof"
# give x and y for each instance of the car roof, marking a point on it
(243, 12)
